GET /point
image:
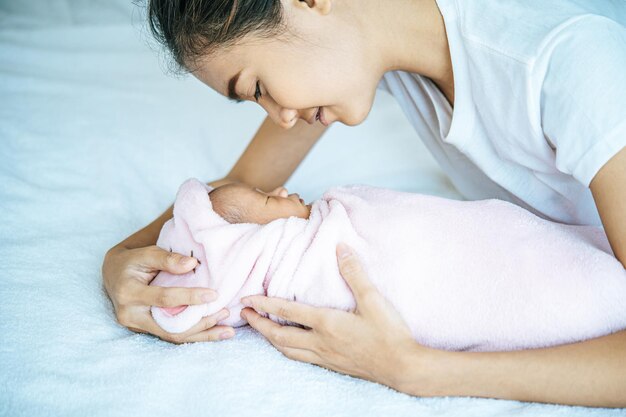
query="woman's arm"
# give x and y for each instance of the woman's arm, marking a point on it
(609, 192)
(274, 153)
(128, 267)
(589, 373)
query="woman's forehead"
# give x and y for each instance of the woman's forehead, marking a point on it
(218, 68)
(216, 73)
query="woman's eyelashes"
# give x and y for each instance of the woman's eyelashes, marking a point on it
(257, 93)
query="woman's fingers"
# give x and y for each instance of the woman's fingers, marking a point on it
(279, 336)
(203, 331)
(154, 258)
(174, 296)
(352, 272)
(214, 334)
(206, 330)
(285, 309)
(126, 275)
(207, 322)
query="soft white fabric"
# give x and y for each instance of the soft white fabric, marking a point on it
(86, 113)
(540, 101)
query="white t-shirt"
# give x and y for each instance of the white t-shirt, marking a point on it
(540, 101)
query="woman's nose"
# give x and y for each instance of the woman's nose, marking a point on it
(287, 118)
(283, 117)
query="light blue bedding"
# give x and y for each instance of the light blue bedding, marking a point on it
(86, 112)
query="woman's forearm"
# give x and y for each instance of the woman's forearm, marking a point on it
(274, 153)
(589, 373)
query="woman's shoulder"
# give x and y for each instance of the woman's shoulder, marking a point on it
(521, 29)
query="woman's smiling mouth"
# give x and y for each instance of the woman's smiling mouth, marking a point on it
(320, 116)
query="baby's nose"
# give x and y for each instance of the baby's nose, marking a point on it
(280, 191)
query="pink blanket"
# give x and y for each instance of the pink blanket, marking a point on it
(480, 275)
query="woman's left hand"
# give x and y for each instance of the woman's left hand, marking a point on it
(372, 343)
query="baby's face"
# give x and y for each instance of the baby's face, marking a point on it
(241, 203)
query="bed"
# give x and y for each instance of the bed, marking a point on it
(87, 109)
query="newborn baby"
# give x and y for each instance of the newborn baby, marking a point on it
(241, 203)
(464, 275)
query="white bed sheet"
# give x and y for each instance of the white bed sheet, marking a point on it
(94, 141)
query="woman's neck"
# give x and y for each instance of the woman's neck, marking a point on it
(410, 36)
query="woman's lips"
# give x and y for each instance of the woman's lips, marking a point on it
(321, 116)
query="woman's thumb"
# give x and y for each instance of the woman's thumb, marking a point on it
(352, 272)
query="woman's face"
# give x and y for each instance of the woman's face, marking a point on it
(321, 61)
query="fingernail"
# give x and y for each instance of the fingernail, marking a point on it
(343, 251)
(209, 296)
(246, 302)
(226, 335)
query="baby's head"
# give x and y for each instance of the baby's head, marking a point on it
(240, 203)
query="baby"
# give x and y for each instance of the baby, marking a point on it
(464, 275)
(241, 203)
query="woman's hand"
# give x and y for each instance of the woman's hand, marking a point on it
(373, 343)
(127, 273)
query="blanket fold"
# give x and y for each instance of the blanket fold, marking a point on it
(465, 275)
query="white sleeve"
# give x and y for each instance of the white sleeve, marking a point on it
(583, 95)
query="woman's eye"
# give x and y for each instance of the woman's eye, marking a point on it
(257, 93)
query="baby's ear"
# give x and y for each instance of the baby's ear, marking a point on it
(194, 207)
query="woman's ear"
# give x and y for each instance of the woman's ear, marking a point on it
(323, 6)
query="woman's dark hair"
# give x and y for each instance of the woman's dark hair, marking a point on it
(190, 29)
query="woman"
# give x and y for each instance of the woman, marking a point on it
(539, 119)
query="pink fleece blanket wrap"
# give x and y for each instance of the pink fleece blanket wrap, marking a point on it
(464, 275)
